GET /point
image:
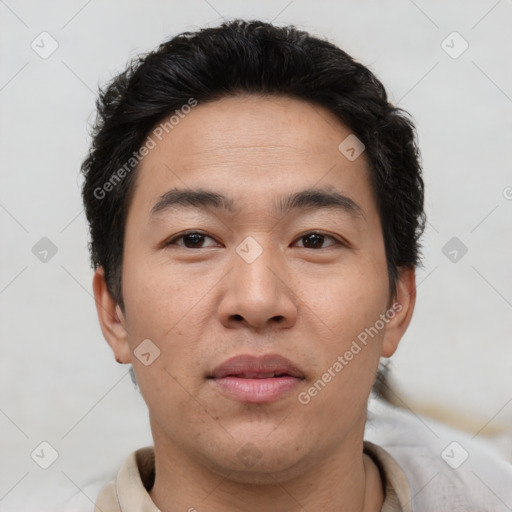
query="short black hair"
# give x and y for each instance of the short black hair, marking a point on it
(248, 57)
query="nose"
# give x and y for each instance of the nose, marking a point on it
(258, 294)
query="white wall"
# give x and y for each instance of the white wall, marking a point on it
(60, 383)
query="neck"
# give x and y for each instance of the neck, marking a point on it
(347, 480)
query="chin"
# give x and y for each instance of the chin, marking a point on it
(259, 462)
(265, 472)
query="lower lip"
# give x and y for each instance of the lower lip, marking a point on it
(256, 391)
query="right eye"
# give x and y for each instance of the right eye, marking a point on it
(190, 240)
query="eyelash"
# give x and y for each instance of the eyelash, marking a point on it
(173, 240)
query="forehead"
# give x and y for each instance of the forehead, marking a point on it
(250, 147)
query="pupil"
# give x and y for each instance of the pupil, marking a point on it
(193, 239)
(315, 239)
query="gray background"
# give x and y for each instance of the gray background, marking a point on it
(59, 379)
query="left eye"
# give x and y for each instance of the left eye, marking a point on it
(316, 240)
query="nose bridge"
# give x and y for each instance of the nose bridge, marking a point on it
(252, 264)
(256, 293)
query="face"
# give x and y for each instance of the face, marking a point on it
(254, 263)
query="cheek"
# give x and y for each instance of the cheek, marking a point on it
(350, 352)
(155, 300)
(349, 299)
(347, 311)
(169, 311)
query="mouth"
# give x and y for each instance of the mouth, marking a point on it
(256, 379)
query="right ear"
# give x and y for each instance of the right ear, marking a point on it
(112, 321)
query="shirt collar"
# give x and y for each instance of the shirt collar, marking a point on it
(130, 490)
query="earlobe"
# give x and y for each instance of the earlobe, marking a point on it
(111, 318)
(403, 308)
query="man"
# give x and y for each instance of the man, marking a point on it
(255, 206)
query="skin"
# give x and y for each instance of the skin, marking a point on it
(306, 302)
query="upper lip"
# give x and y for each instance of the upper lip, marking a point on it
(250, 366)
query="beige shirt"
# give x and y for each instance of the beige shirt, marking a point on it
(129, 491)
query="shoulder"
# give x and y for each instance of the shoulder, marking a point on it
(447, 469)
(125, 491)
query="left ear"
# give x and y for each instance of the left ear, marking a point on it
(402, 306)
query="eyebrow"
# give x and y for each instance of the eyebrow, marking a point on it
(309, 199)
